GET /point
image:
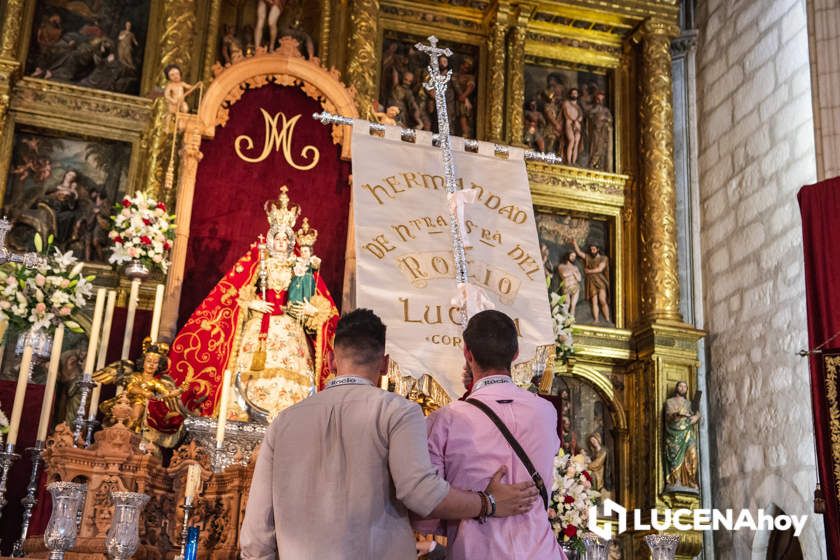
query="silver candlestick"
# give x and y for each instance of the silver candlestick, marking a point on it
(79, 423)
(7, 457)
(188, 508)
(90, 427)
(31, 497)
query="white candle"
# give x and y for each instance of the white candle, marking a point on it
(93, 341)
(106, 330)
(193, 484)
(49, 389)
(156, 313)
(223, 406)
(129, 318)
(20, 395)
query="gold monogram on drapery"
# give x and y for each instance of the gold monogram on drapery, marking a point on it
(279, 134)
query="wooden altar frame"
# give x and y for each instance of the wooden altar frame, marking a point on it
(285, 66)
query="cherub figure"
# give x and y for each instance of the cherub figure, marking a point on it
(176, 90)
(142, 382)
(389, 117)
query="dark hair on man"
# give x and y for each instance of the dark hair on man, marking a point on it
(492, 338)
(361, 332)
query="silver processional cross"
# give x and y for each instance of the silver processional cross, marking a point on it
(438, 82)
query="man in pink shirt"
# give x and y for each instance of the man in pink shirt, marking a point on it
(466, 447)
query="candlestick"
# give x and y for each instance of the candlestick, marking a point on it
(93, 340)
(223, 405)
(129, 318)
(49, 389)
(188, 507)
(20, 395)
(31, 497)
(79, 423)
(7, 457)
(156, 313)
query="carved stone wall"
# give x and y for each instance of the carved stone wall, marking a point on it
(756, 144)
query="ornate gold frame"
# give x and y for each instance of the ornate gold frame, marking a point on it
(286, 67)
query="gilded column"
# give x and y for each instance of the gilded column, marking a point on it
(13, 16)
(211, 54)
(326, 31)
(176, 48)
(516, 75)
(660, 293)
(190, 157)
(9, 44)
(496, 90)
(361, 68)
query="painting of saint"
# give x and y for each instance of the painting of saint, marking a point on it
(91, 43)
(65, 186)
(567, 112)
(585, 427)
(577, 250)
(403, 72)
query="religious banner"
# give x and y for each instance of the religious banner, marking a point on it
(405, 269)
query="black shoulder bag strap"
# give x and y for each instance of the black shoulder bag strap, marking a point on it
(535, 475)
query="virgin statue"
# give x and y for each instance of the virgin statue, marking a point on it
(270, 320)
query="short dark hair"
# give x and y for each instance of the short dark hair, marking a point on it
(491, 337)
(362, 332)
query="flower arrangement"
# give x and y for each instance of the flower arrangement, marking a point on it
(43, 297)
(571, 497)
(142, 231)
(563, 322)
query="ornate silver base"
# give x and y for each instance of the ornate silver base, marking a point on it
(31, 498)
(7, 457)
(80, 422)
(240, 438)
(188, 508)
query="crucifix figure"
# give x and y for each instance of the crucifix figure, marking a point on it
(437, 82)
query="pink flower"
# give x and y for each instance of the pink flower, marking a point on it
(65, 283)
(40, 280)
(40, 308)
(64, 311)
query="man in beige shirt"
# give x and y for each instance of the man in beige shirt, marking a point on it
(338, 472)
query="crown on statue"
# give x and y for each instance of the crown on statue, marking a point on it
(306, 235)
(159, 348)
(280, 215)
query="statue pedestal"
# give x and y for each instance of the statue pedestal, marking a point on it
(117, 461)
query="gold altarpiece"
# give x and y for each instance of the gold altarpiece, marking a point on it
(633, 362)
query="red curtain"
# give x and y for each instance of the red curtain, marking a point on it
(228, 215)
(820, 208)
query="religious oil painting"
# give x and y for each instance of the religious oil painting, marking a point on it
(586, 428)
(65, 186)
(92, 43)
(246, 25)
(403, 72)
(569, 112)
(577, 257)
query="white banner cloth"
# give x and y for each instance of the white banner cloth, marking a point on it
(405, 270)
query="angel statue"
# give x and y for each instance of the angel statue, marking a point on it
(270, 321)
(144, 382)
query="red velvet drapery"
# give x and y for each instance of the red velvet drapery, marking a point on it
(820, 208)
(228, 214)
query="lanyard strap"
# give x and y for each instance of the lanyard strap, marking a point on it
(348, 380)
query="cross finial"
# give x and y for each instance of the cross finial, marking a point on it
(436, 80)
(261, 237)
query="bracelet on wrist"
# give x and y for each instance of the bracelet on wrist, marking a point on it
(492, 501)
(485, 507)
